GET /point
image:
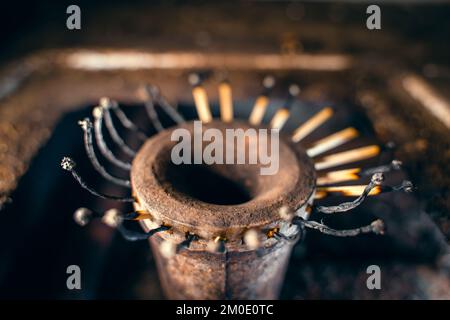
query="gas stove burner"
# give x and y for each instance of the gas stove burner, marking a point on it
(194, 227)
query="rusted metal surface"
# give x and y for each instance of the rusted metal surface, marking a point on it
(160, 188)
(234, 274)
(45, 88)
(239, 272)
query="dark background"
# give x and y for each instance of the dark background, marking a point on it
(31, 25)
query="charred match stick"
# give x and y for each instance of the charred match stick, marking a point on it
(150, 108)
(98, 126)
(349, 156)
(259, 109)
(114, 219)
(200, 99)
(226, 101)
(187, 242)
(155, 93)
(357, 190)
(69, 165)
(115, 135)
(86, 125)
(376, 181)
(132, 235)
(312, 124)
(332, 141)
(376, 227)
(124, 120)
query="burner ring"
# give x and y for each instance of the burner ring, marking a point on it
(156, 186)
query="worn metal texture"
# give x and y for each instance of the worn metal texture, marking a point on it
(38, 88)
(166, 191)
(239, 272)
(235, 274)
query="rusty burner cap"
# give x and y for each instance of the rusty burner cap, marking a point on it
(218, 200)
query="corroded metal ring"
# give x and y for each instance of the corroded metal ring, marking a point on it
(162, 188)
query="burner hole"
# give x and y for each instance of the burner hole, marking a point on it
(207, 183)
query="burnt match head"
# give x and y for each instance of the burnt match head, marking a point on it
(294, 90)
(105, 102)
(377, 178)
(396, 164)
(268, 82)
(68, 164)
(97, 112)
(83, 216)
(407, 186)
(85, 124)
(377, 226)
(112, 218)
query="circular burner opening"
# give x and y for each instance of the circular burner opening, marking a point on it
(235, 182)
(207, 183)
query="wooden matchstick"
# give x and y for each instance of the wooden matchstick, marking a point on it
(259, 109)
(348, 191)
(349, 156)
(309, 126)
(202, 104)
(332, 141)
(279, 119)
(261, 103)
(339, 176)
(226, 102)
